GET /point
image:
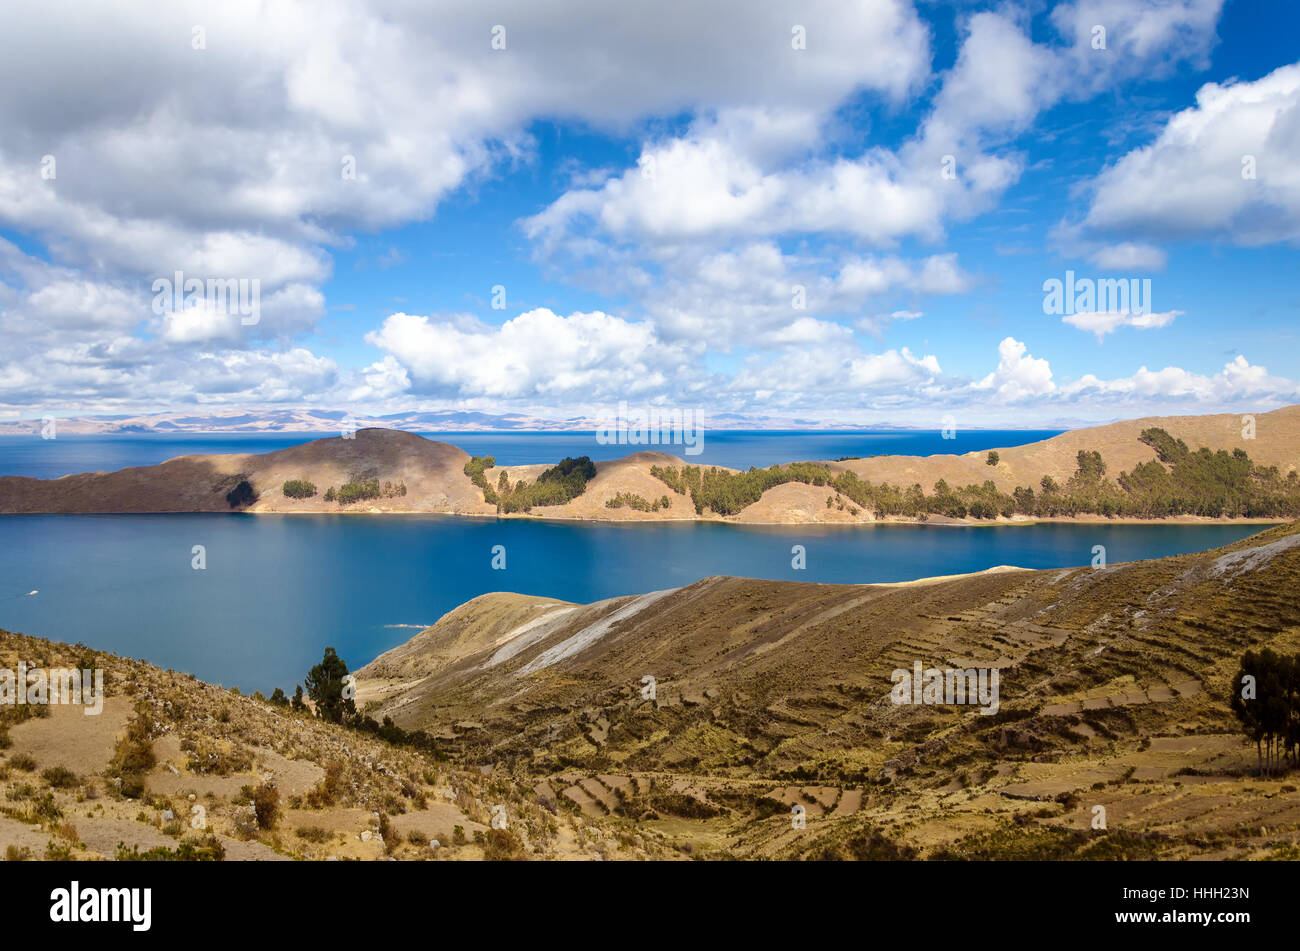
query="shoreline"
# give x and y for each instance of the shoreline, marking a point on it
(934, 522)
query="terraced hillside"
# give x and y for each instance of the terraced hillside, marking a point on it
(768, 730)
(1113, 694)
(174, 768)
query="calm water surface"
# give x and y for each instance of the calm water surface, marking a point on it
(278, 589)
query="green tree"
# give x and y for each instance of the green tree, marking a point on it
(325, 687)
(993, 458)
(1266, 702)
(241, 495)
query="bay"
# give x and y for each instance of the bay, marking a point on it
(277, 590)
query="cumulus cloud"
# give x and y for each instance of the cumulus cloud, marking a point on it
(537, 354)
(702, 207)
(1019, 375)
(743, 226)
(1105, 322)
(842, 374)
(1223, 169)
(251, 151)
(756, 295)
(1140, 37)
(1238, 381)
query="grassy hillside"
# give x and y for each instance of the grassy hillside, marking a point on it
(1114, 693)
(767, 695)
(169, 753)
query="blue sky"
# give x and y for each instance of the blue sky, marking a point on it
(816, 210)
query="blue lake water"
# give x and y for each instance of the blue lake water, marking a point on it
(278, 589)
(30, 455)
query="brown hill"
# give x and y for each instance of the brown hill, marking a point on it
(433, 473)
(1113, 692)
(433, 478)
(1277, 439)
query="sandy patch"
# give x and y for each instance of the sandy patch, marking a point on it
(69, 738)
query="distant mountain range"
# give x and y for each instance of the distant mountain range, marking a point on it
(333, 422)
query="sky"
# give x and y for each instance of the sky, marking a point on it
(823, 210)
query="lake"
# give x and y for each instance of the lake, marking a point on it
(277, 590)
(30, 455)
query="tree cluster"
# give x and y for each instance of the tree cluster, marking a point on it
(298, 489)
(1180, 482)
(1265, 696)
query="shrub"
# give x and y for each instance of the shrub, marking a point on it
(502, 845)
(60, 777)
(134, 755)
(207, 849)
(214, 756)
(992, 459)
(266, 805)
(298, 489)
(327, 790)
(358, 491)
(638, 502)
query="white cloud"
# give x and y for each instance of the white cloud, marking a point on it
(751, 295)
(1192, 181)
(841, 372)
(1239, 381)
(201, 323)
(1129, 256)
(382, 380)
(1019, 376)
(1105, 322)
(538, 354)
(228, 161)
(876, 323)
(1142, 37)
